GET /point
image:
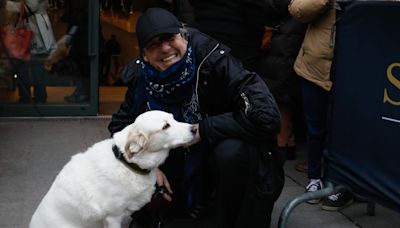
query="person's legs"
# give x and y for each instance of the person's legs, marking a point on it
(38, 79)
(286, 139)
(316, 101)
(82, 90)
(246, 183)
(23, 81)
(231, 168)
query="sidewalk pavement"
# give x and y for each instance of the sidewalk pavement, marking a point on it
(33, 151)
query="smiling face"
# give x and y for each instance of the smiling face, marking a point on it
(164, 50)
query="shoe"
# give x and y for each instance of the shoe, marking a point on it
(313, 186)
(337, 201)
(302, 166)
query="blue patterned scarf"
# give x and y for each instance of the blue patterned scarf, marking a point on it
(173, 90)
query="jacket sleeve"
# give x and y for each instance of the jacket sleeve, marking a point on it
(307, 10)
(15, 6)
(254, 115)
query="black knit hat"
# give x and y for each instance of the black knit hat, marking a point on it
(154, 22)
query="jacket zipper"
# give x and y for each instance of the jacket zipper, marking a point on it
(198, 73)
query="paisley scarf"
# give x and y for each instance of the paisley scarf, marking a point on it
(173, 90)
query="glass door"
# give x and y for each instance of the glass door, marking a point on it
(59, 77)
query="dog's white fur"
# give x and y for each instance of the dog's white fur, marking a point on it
(94, 189)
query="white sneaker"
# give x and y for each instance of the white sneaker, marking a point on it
(337, 201)
(314, 185)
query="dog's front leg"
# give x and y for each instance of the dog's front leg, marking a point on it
(113, 222)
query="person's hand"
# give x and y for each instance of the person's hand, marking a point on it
(197, 138)
(162, 181)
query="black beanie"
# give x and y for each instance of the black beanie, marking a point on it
(154, 22)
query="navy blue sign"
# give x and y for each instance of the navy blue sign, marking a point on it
(364, 144)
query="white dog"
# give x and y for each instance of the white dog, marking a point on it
(98, 189)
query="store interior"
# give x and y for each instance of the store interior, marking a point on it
(116, 19)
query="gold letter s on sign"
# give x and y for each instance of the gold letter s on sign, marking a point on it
(393, 80)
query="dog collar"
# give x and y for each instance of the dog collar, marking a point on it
(133, 166)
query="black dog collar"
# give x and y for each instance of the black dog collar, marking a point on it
(134, 167)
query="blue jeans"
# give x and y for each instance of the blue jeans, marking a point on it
(315, 102)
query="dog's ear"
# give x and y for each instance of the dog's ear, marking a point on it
(136, 142)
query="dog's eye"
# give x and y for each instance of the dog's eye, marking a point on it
(166, 125)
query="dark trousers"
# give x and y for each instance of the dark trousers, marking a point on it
(231, 163)
(316, 103)
(227, 167)
(31, 73)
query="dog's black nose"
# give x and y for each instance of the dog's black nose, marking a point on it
(193, 130)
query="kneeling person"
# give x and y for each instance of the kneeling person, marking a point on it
(187, 73)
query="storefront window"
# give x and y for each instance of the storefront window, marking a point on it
(78, 74)
(58, 72)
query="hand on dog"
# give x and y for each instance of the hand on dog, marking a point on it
(163, 181)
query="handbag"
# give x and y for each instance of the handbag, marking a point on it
(17, 37)
(43, 40)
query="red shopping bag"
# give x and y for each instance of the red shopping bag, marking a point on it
(17, 38)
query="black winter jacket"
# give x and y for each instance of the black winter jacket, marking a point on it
(238, 24)
(237, 17)
(276, 63)
(234, 102)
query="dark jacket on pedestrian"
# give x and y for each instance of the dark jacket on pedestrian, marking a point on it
(234, 103)
(276, 63)
(239, 24)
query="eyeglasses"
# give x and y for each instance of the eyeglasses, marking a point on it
(159, 40)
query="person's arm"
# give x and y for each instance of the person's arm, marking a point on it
(15, 6)
(255, 115)
(307, 10)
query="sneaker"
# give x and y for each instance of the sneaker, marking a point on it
(314, 185)
(337, 201)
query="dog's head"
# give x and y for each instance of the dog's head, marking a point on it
(148, 140)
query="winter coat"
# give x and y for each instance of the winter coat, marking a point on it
(238, 24)
(315, 56)
(235, 102)
(276, 63)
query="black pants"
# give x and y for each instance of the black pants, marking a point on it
(229, 165)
